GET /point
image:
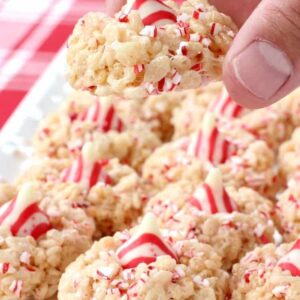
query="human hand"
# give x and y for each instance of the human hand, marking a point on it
(263, 64)
(113, 6)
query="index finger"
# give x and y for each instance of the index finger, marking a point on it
(238, 10)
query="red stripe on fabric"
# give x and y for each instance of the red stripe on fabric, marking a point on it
(23, 217)
(9, 100)
(7, 211)
(136, 261)
(11, 97)
(212, 144)
(290, 267)
(40, 230)
(35, 25)
(79, 169)
(145, 239)
(108, 119)
(157, 16)
(227, 202)
(211, 198)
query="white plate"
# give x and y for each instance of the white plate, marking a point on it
(45, 96)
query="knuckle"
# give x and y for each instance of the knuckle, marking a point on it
(283, 19)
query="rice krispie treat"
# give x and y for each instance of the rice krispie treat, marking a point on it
(288, 157)
(38, 239)
(214, 98)
(83, 118)
(143, 264)
(150, 47)
(268, 272)
(109, 192)
(243, 160)
(172, 114)
(233, 221)
(287, 212)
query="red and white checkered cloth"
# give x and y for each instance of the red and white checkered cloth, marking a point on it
(31, 33)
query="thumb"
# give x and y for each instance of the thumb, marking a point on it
(263, 64)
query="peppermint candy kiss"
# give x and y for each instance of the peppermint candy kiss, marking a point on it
(152, 12)
(210, 144)
(87, 170)
(145, 245)
(104, 114)
(224, 106)
(23, 215)
(211, 197)
(291, 261)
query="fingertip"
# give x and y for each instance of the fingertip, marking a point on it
(112, 7)
(237, 90)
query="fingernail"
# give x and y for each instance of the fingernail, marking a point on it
(262, 68)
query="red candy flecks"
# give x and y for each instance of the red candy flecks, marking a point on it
(87, 170)
(144, 246)
(211, 197)
(152, 12)
(209, 144)
(291, 261)
(23, 215)
(104, 115)
(224, 106)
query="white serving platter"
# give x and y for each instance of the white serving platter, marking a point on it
(45, 96)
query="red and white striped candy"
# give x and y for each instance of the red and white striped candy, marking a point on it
(6, 268)
(211, 197)
(199, 14)
(209, 144)
(23, 215)
(291, 261)
(224, 106)
(104, 114)
(152, 12)
(139, 68)
(16, 287)
(149, 30)
(144, 246)
(215, 29)
(183, 49)
(87, 170)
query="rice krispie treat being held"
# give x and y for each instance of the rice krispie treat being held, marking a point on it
(149, 48)
(142, 264)
(243, 160)
(38, 239)
(231, 220)
(268, 272)
(109, 192)
(85, 118)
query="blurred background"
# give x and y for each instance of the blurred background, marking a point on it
(32, 32)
